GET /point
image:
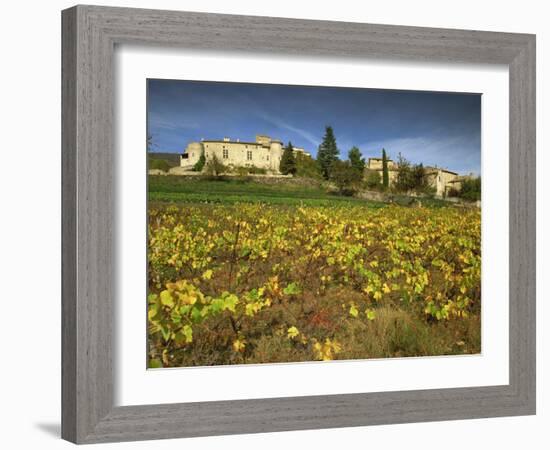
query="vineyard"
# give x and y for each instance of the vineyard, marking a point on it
(236, 283)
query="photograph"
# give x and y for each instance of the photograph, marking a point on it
(292, 223)
(275, 225)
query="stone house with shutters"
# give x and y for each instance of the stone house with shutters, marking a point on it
(442, 180)
(264, 153)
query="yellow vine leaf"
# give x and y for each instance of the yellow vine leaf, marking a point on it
(239, 345)
(292, 332)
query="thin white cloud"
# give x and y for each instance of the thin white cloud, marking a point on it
(158, 121)
(286, 126)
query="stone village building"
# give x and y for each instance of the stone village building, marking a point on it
(442, 180)
(265, 153)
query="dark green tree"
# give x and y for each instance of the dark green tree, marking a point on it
(385, 174)
(355, 159)
(327, 153)
(199, 165)
(288, 161)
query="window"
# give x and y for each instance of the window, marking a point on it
(249, 155)
(268, 157)
(225, 153)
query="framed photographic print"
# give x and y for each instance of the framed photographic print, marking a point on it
(305, 219)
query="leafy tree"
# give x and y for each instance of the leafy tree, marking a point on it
(327, 153)
(410, 177)
(372, 179)
(215, 167)
(355, 159)
(199, 165)
(404, 179)
(385, 174)
(307, 167)
(345, 176)
(288, 161)
(419, 178)
(471, 189)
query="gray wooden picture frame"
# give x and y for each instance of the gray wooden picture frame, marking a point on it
(90, 34)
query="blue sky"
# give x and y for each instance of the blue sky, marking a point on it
(441, 129)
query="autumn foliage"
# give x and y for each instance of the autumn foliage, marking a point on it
(251, 283)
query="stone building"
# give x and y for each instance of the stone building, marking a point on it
(264, 153)
(442, 180)
(456, 183)
(375, 164)
(301, 151)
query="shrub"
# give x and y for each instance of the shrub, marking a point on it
(159, 164)
(372, 179)
(471, 189)
(307, 167)
(345, 176)
(215, 167)
(453, 192)
(241, 171)
(200, 163)
(256, 170)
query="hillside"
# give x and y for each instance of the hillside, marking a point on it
(172, 158)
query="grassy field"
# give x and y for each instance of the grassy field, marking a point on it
(246, 272)
(231, 190)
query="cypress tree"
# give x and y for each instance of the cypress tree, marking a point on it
(385, 175)
(327, 152)
(288, 161)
